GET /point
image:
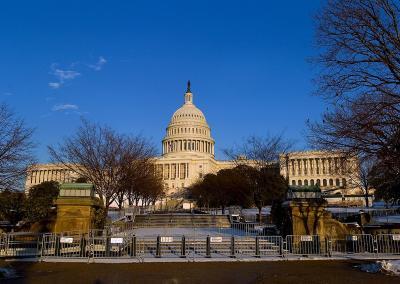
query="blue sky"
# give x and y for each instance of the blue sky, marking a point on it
(126, 63)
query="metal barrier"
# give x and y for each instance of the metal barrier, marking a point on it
(98, 245)
(388, 244)
(306, 245)
(3, 242)
(65, 246)
(111, 247)
(353, 244)
(22, 245)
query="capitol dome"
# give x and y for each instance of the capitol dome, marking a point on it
(188, 130)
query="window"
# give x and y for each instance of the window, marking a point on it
(324, 183)
(331, 182)
(293, 182)
(337, 182)
(318, 182)
(299, 183)
(312, 182)
(306, 182)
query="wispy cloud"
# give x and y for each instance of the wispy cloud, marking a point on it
(64, 107)
(61, 76)
(54, 85)
(8, 94)
(99, 64)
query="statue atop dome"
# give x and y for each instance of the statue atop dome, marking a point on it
(188, 87)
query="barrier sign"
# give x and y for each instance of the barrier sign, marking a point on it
(259, 227)
(216, 239)
(117, 240)
(396, 237)
(306, 238)
(66, 240)
(167, 239)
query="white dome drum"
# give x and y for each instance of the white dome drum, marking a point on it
(188, 130)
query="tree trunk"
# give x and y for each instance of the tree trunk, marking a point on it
(259, 214)
(366, 198)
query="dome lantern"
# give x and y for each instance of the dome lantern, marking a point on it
(188, 94)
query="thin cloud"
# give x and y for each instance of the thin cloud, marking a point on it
(54, 85)
(99, 64)
(8, 94)
(61, 76)
(64, 107)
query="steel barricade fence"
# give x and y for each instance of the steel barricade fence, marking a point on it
(110, 247)
(218, 246)
(3, 242)
(353, 244)
(388, 243)
(196, 246)
(244, 246)
(74, 245)
(306, 245)
(65, 246)
(247, 229)
(169, 246)
(270, 246)
(22, 245)
(146, 246)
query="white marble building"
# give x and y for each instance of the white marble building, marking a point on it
(188, 155)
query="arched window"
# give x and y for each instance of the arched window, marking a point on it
(318, 182)
(306, 182)
(344, 183)
(337, 182)
(299, 183)
(293, 182)
(312, 182)
(324, 183)
(330, 182)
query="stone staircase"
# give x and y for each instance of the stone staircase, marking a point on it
(181, 220)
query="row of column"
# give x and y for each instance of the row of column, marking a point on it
(60, 175)
(173, 171)
(320, 182)
(312, 166)
(188, 145)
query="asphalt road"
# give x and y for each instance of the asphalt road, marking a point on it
(218, 272)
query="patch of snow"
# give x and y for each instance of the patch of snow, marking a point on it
(391, 267)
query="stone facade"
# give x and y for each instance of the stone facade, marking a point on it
(332, 171)
(48, 172)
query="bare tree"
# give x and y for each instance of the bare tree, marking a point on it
(359, 175)
(258, 151)
(15, 149)
(100, 155)
(359, 77)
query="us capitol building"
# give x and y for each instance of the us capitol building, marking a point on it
(188, 155)
(187, 148)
